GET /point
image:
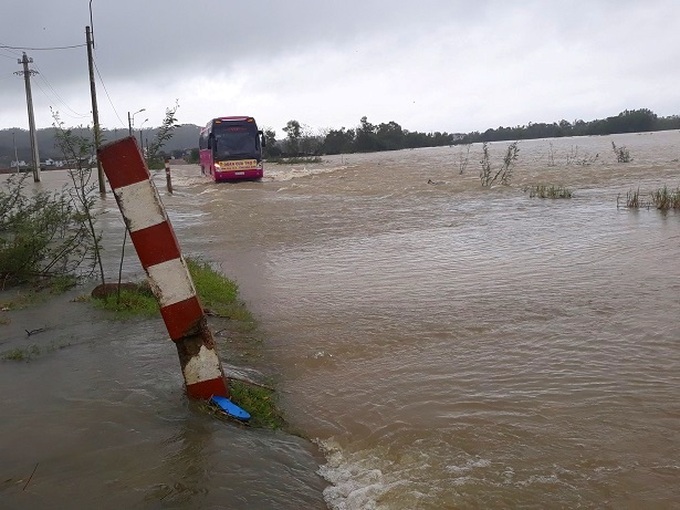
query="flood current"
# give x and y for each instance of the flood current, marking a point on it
(440, 344)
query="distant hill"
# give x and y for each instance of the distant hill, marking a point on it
(185, 138)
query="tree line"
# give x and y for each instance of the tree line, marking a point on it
(368, 137)
(300, 140)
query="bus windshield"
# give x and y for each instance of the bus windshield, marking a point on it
(232, 140)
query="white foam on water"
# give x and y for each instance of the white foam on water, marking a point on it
(354, 484)
(288, 173)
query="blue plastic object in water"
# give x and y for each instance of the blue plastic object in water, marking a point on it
(230, 408)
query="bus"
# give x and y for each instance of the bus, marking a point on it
(230, 149)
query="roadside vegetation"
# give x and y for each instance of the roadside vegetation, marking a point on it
(43, 236)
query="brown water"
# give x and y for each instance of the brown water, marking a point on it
(446, 346)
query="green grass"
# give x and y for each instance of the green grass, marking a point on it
(25, 354)
(259, 402)
(129, 304)
(552, 191)
(217, 293)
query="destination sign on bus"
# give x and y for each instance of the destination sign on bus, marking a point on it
(237, 164)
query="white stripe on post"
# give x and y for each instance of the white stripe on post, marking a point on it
(173, 282)
(139, 204)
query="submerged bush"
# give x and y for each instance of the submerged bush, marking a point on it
(622, 153)
(665, 199)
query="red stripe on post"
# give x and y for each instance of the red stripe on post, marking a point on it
(207, 389)
(155, 244)
(123, 162)
(183, 318)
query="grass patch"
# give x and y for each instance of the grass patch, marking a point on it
(129, 303)
(25, 354)
(218, 293)
(552, 191)
(259, 402)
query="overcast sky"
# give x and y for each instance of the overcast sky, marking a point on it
(429, 65)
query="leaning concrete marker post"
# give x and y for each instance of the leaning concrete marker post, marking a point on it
(159, 253)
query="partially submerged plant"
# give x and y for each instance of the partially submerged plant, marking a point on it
(552, 191)
(665, 199)
(463, 158)
(505, 172)
(622, 153)
(583, 159)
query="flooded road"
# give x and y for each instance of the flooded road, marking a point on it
(444, 345)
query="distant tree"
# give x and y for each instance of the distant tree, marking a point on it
(338, 141)
(366, 138)
(390, 136)
(194, 156)
(154, 156)
(293, 132)
(271, 146)
(309, 141)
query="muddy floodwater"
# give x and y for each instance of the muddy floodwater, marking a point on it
(442, 345)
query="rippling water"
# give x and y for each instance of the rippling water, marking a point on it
(445, 345)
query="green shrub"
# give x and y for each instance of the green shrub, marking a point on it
(42, 234)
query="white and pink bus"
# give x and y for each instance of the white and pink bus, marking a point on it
(231, 149)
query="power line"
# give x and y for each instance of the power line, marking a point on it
(4, 46)
(107, 93)
(59, 98)
(51, 100)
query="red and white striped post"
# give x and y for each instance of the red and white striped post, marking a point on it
(159, 253)
(168, 178)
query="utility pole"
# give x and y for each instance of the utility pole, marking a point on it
(31, 119)
(95, 111)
